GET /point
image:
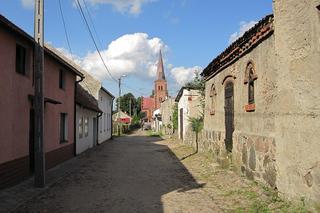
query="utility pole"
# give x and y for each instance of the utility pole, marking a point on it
(119, 102)
(39, 158)
(130, 101)
(119, 109)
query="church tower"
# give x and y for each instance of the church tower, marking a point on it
(160, 84)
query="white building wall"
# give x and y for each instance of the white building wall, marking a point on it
(84, 142)
(105, 104)
(191, 108)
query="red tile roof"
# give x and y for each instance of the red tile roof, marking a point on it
(253, 37)
(147, 103)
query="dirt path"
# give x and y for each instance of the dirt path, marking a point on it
(141, 174)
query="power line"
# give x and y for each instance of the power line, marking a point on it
(95, 44)
(90, 19)
(65, 28)
(68, 41)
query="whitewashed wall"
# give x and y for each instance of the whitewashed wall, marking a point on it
(105, 120)
(191, 108)
(84, 142)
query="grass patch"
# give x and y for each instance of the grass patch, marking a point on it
(151, 133)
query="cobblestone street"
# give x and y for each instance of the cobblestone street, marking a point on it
(139, 173)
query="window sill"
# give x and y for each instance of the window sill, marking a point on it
(250, 107)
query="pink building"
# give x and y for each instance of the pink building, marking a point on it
(16, 105)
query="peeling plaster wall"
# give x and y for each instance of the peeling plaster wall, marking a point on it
(297, 39)
(166, 110)
(254, 145)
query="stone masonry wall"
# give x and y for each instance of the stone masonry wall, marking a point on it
(254, 144)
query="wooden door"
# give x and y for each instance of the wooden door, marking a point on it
(181, 123)
(229, 115)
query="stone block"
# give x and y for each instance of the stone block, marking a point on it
(252, 158)
(244, 155)
(249, 174)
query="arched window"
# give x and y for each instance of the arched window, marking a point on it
(213, 95)
(250, 77)
(251, 87)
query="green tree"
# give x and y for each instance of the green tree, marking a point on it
(197, 122)
(197, 126)
(128, 103)
(175, 117)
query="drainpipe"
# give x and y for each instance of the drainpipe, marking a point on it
(111, 119)
(75, 117)
(97, 131)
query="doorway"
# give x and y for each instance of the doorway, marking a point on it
(229, 115)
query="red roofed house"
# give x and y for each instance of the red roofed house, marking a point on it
(147, 106)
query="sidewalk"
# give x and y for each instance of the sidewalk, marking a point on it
(13, 197)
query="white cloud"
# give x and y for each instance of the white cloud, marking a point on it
(244, 26)
(124, 6)
(131, 54)
(183, 75)
(28, 4)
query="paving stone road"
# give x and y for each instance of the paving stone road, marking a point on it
(138, 173)
(127, 174)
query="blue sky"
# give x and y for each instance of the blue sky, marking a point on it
(131, 33)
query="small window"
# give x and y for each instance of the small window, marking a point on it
(63, 127)
(251, 88)
(80, 127)
(62, 79)
(20, 59)
(86, 127)
(318, 7)
(250, 77)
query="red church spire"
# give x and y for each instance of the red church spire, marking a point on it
(160, 70)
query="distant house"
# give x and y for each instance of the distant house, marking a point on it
(105, 102)
(87, 115)
(147, 107)
(122, 118)
(189, 105)
(17, 108)
(157, 120)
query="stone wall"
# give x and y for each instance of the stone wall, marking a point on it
(254, 146)
(166, 111)
(297, 30)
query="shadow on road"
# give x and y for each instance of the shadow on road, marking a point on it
(127, 174)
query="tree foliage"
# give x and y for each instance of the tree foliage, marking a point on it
(130, 104)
